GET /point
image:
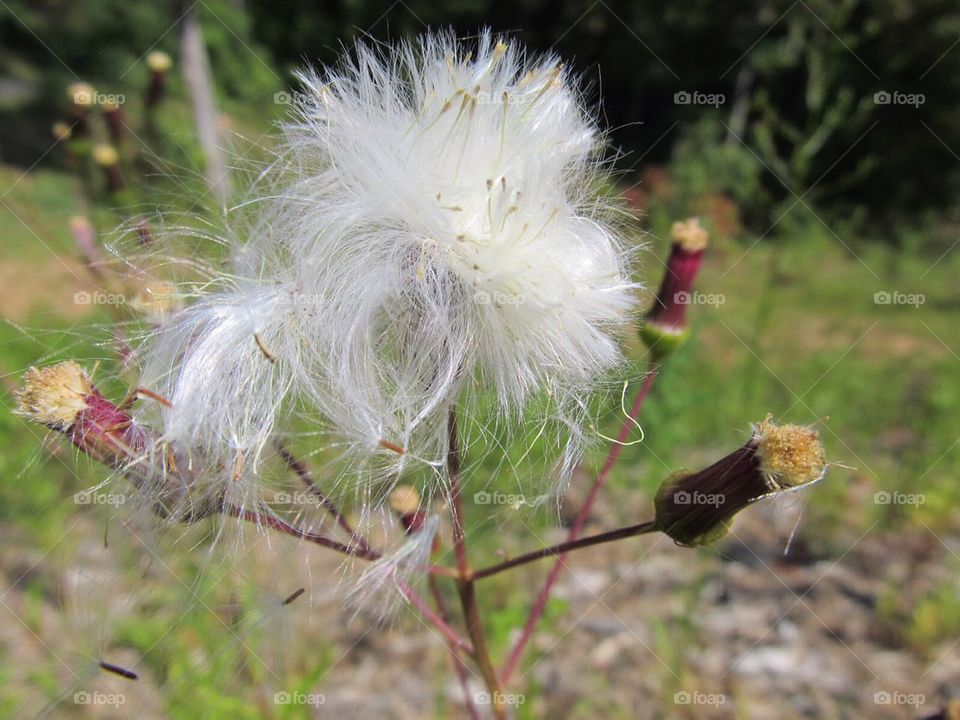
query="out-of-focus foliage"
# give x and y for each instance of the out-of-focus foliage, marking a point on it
(798, 79)
(47, 44)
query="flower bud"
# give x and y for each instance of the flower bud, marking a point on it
(115, 121)
(63, 398)
(82, 94)
(82, 99)
(144, 235)
(159, 63)
(405, 502)
(665, 326)
(697, 508)
(85, 238)
(61, 131)
(107, 157)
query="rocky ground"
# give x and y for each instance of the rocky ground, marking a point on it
(649, 630)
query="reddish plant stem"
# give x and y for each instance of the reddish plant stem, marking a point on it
(456, 497)
(451, 635)
(303, 472)
(465, 587)
(471, 612)
(275, 523)
(539, 606)
(459, 667)
(565, 547)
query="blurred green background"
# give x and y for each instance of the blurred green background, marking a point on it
(819, 142)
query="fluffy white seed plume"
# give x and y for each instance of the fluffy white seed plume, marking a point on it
(444, 205)
(432, 235)
(380, 587)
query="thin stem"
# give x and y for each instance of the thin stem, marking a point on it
(568, 546)
(303, 472)
(468, 601)
(451, 635)
(456, 496)
(459, 667)
(275, 523)
(540, 605)
(465, 587)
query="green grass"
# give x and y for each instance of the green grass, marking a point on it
(798, 336)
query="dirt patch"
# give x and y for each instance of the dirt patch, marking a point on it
(26, 287)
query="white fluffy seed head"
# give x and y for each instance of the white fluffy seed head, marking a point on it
(443, 204)
(432, 238)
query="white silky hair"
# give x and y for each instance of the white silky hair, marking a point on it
(379, 589)
(431, 233)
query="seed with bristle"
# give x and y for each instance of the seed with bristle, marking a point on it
(117, 670)
(294, 595)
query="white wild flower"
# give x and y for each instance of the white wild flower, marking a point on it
(432, 235)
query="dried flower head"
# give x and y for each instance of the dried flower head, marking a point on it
(171, 480)
(789, 455)
(157, 301)
(54, 396)
(697, 508)
(689, 234)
